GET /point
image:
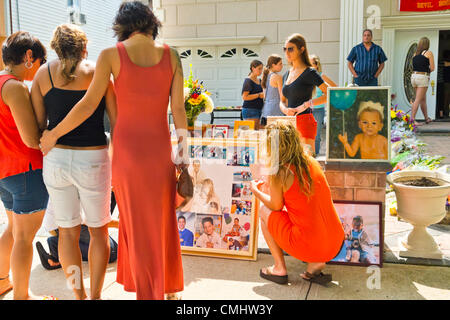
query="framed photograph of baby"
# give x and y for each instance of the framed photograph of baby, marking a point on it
(201, 219)
(359, 124)
(362, 223)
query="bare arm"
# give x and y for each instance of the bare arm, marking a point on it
(380, 68)
(246, 96)
(177, 106)
(330, 82)
(352, 69)
(37, 99)
(274, 201)
(85, 107)
(430, 56)
(111, 106)
(353, 149)
(15, 94)
(315, 102)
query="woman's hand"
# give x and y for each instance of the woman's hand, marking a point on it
(302, 108)
(290, 112)
(48, 141)
(255, 185)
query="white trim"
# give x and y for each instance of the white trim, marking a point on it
(219, 41)
(426, 21)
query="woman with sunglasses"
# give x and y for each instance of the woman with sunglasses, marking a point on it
(298, 87)
(22, 188)
(319, 110)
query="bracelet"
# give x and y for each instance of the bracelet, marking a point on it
(311, 103)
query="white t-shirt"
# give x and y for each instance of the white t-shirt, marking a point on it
(204, 238)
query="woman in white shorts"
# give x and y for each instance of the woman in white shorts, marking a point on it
(77, 171)
(423, 65)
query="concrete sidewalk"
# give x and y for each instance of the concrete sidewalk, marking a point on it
(223, 279)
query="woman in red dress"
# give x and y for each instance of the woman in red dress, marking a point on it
(146, 75)
(298, 215)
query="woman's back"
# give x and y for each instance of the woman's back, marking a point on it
(421, 63)
(272, 99)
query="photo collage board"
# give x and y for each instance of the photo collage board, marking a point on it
(220, 219)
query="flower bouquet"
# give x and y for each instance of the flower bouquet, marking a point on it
(196, 99)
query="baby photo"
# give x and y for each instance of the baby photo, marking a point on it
(359, 124)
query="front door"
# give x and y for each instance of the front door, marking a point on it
(405, 47)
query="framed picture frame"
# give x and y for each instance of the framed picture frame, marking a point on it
(291, 119)
(362, 223)
(242, 126)
(220, 131)
(221, 218)
(359, 126)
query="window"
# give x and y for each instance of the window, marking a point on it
(185, 54)
(249, 53)
(228, 54)
(407, 72)
(203, 54)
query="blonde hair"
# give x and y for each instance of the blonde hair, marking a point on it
(316, 59)
(69, 43)
(370, 106)
(424, 44)
(211, 193)
(290, 152)
(273, 59)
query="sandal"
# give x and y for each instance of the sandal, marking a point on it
(320, 278)
(7, 289)
(44, 256)
(172, 296)
(272, 277)
(428, 120)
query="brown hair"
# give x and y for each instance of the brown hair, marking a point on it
(273, 59)
(290, 152)
(254, 64)
(300, 42)
(135, 16)
(424, 44)
(16, 46)
(69, 42)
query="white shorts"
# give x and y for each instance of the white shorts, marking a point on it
(420, 80)
(77, 178)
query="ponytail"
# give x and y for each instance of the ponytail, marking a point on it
(273, 59)
(264, 77)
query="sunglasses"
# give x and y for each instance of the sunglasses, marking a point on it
(289, 49)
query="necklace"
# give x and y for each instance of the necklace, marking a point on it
(9, 70)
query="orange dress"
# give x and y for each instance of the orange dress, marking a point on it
(310, 229)
(144, 181)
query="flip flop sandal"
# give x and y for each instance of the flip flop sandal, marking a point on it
(428, 120)
(273, 277)
(5, 291)
(49, 298)
(44, 256)
(321, 278)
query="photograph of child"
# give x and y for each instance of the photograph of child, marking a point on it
(236, 191)
(196, 173)
(196, 151)
(220, 131)
(208, 229)
(246, 193)
(242, 176)
(205, 199)
(236, 235)
(241, 207)
(359, 125)
(361, 223)
(214, 152)
(186, 235)
(371, 144)
(240, 156)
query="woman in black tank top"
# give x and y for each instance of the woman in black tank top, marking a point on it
(423, 65)
(77, 171)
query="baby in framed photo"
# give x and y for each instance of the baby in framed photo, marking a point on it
(370, 143)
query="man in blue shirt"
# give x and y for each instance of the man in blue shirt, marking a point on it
(186, 236)
(369, 59)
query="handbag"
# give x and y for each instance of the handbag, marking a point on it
(185, 187)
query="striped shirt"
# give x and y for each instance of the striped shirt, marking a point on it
(367, 62)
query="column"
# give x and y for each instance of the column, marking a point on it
(352, 15)
(387, 76)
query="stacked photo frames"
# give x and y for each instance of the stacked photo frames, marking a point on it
(220, 219)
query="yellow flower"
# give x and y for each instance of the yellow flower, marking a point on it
(393, 114)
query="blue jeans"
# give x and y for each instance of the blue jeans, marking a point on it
(319, 115)
(249, 113)
(366, 83)
(24, 193)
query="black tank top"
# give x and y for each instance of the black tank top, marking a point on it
(421, 63)
(59, 102)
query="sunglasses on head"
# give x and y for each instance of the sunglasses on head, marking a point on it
(289, 49)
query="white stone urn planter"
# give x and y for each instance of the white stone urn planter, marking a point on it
(421, 207)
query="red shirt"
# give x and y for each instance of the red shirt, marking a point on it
(15, 156)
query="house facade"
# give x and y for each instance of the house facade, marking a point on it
(221, 37)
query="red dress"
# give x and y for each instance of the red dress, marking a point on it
(143, 177)
(310, 229)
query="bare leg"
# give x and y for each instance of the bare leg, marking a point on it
(24, 230)
(98, 259)
(277, 253)
(6, 244)
(423, 103)
(420, 96)
(70, 259)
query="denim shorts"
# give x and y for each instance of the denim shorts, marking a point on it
(24, 193)
(249, 113)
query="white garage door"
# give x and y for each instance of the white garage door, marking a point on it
(222, 70)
